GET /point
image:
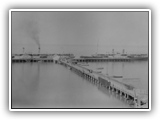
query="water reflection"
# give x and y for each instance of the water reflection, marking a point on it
(25, 83)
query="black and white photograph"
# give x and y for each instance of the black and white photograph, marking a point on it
(80, 59)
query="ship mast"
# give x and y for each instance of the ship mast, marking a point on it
(97, 46)
(23, 50)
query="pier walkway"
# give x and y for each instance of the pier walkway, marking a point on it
(139, 97)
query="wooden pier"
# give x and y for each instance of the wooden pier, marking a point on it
(108, 59)
(139, 99)
(31, 60)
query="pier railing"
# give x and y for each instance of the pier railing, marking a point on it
(128, 91)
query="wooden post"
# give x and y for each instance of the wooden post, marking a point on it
(135, 102)
(126, 96)
(112, 88)
(120, 93)
(117, 91)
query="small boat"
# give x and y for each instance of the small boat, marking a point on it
(118, 76)
(98, 71)
(100, 68)
(129, 87)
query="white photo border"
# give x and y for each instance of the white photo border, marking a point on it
(81, 109)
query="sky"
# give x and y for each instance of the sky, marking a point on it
(79, 32)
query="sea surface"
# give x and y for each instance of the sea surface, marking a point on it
(49, 85)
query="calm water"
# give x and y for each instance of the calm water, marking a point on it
(48, 85)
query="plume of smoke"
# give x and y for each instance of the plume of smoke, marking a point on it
(32, 30)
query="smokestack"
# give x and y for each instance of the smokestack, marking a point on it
(112, 51)
(39, 50)
(123, 51)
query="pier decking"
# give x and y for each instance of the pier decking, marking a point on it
(129, 92)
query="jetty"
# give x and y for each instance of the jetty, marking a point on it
(137, 97)
(114, 59)
(22, 60)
